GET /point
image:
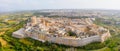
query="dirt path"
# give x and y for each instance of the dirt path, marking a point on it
(3, 42)
(1, 33)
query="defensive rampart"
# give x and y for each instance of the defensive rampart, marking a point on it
(70, 41)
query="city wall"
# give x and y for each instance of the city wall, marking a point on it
(69, 41)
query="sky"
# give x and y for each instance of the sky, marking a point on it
(17, 5)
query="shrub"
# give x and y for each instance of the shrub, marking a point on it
(71, 33)
(93, 46)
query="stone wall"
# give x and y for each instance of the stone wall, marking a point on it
(19, 33)
(105, 36)
(75, 42)
(68, 41)
(65, 40)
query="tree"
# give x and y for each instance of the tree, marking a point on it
(71, 33)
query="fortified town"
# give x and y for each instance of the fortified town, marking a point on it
(66, 31)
